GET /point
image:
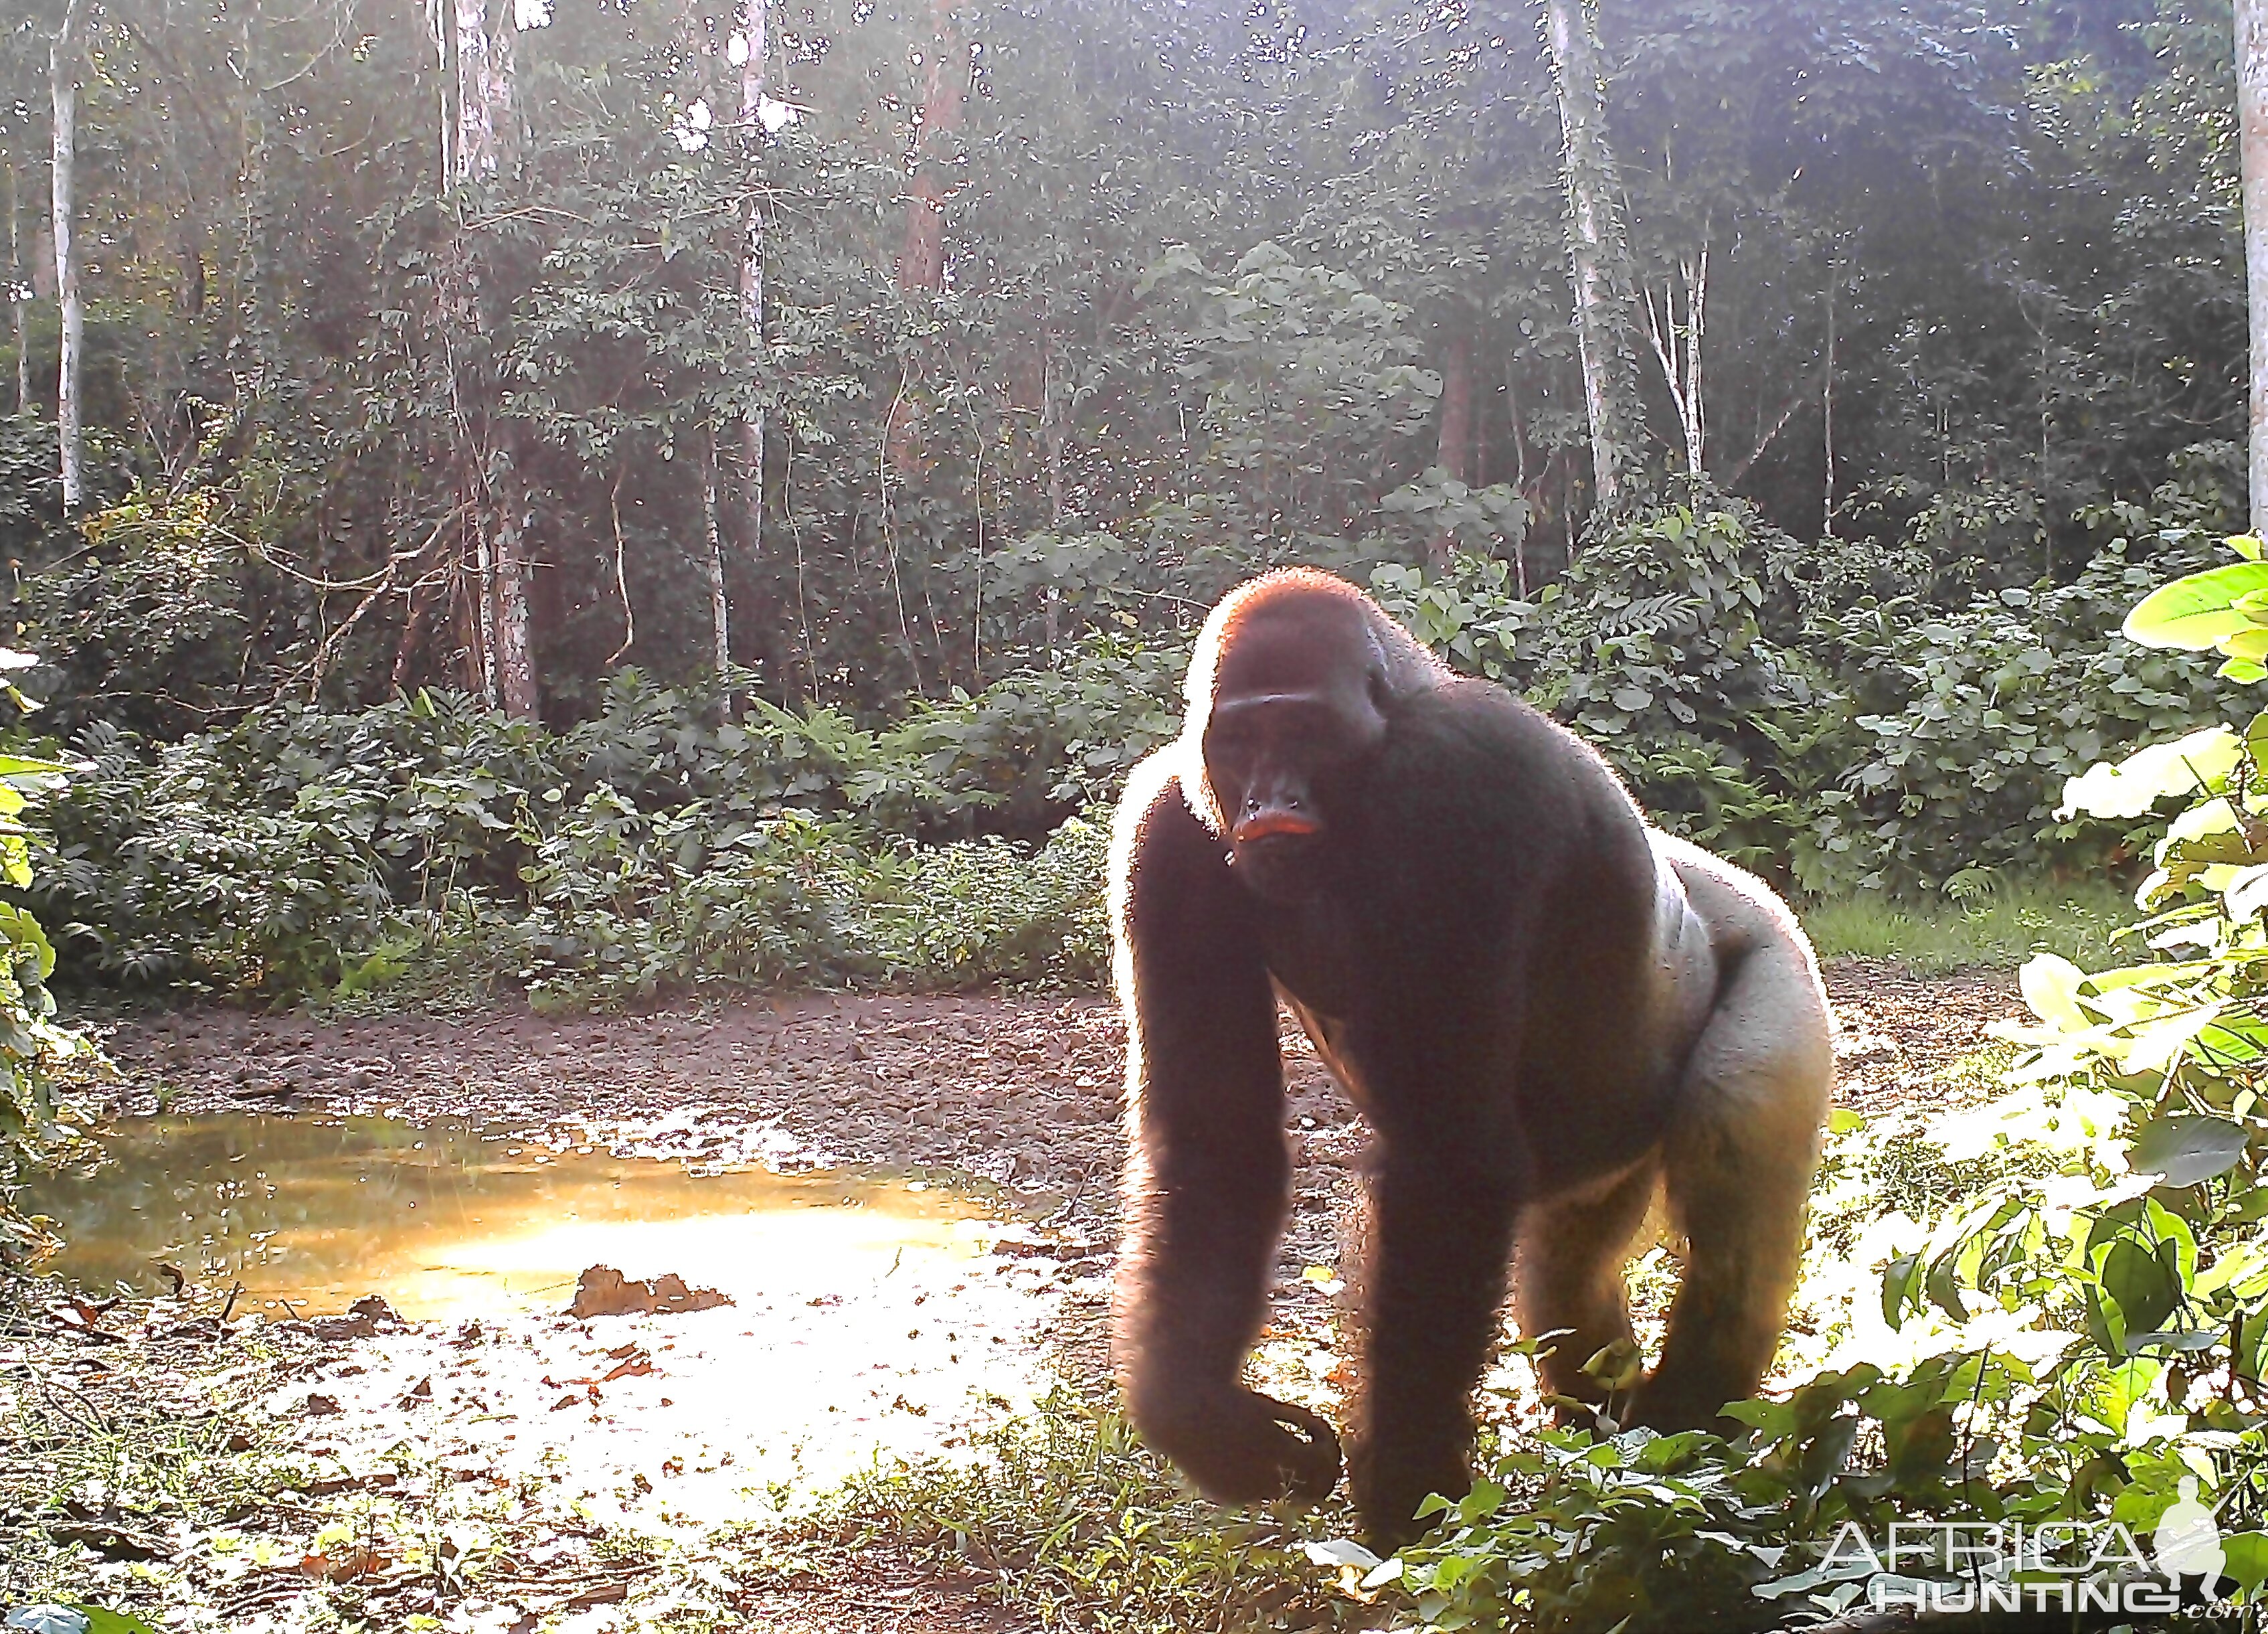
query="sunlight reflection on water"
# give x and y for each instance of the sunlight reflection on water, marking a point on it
(447, 1222)
(870, 1316)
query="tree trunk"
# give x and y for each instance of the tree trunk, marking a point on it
(1052, 436)
(720, 612)
(1827, 405)
(515, 656)
(20, 311)
(1454, 453)
(1598, 255)
(2252, 149)
(485, 149)
(755, 42)
(484, 88)
(62, 77)
(921, 263)
(1677, 348)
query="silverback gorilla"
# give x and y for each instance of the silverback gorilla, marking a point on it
(1545, 1009)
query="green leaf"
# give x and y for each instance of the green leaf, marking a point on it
(1943, 1286)
(2244, 1556)
(2138, 1280)
(2185, 1149)
(2196, 611)
(101, 1622)
(1898, 1279)
(2130, 786)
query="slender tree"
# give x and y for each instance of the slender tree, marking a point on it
(2252, 120)
(752, 48)
(63, 64)
(1676, 338)
(485, 150)
(1453, 452)
(18, 308)
(1598, 253)
(921, 260)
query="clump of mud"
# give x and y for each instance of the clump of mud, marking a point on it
(603, 1290)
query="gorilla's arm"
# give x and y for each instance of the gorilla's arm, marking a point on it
(1207, 1189)
(1440, 1233)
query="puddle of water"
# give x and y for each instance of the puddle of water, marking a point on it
(447, 1222)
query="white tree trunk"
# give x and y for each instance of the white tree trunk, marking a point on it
(1677, 348)
(2252, 149)
(18, 309)
(484, 88)
(63, 64)
(498, 512)
(1598, 254)
(754, 48)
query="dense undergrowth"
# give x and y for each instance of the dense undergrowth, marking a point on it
(1796, 708)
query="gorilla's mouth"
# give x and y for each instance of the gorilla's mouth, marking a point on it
(1275, 825)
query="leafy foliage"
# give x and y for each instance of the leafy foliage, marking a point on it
(34, 1046)
(649, 850)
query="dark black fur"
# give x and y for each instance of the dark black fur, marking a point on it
(1482, 944)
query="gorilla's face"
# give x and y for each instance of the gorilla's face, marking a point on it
(1295, 714)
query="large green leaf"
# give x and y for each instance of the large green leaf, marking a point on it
(2197, 611)
(2142, 1284)
(2186, 1149)
(2128, 788)
(2245, 1557)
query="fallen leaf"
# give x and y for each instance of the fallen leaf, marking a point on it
(347, 1568)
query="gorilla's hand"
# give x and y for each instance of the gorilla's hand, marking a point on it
(1248, 1448)
(1389, 1482)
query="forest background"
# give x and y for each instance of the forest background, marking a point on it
(540, 465)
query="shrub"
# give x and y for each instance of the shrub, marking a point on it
(1654, 646)
(35, 1047)
(647, 850)
(2005, 702)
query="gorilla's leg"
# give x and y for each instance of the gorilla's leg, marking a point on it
(1739, 1156)
(1569, 1275)
(1433, 1277)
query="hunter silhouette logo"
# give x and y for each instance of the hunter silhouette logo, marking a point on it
(2187, 1541)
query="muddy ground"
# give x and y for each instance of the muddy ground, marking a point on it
(1020, 1091)
(542, 1428)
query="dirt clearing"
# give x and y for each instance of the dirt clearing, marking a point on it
(518, 1470)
